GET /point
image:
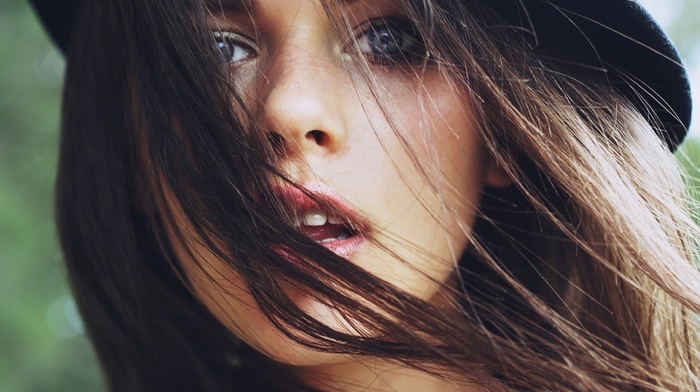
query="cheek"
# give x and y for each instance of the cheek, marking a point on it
(428, 175)
(439, 129)
(445, 150)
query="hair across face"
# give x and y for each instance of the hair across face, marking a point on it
(407, 174)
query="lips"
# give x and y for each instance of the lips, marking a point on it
(323, 227)
(340, 231)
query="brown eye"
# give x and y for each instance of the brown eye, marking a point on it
(391, 40)
(232, 48)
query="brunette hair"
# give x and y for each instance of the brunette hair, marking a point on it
(578, 276)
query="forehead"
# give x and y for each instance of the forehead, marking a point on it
(271, 15)
(242, 5)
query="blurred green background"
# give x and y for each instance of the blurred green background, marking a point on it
(42, 344)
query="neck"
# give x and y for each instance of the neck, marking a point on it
(371, 375)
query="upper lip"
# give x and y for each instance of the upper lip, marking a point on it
(298, 201)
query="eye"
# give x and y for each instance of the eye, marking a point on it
(391, 40)
(232, 48)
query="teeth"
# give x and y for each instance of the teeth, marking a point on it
(326, 240)
(315, 218)
(343, 236)
(334, 220)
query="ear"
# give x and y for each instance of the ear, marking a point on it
(496, 175)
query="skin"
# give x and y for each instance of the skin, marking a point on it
(300, 77)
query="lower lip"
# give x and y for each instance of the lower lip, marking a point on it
(347, 247)
(343, 248)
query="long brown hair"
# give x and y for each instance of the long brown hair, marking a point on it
(578, 276)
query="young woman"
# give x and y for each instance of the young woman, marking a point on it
(390, 195)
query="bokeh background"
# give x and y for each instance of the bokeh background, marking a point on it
(42, 342)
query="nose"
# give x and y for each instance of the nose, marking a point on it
(301, 103)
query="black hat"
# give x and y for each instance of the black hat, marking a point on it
(618, 36)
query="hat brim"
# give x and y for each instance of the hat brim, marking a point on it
(617, 37)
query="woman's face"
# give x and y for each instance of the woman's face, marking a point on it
(410, 175)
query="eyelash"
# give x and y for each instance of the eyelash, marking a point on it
(383, 41)
(395, 41)
(226, 43)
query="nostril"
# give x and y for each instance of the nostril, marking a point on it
(321, 138)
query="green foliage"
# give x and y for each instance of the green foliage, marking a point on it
(42, 347)
(689, 157)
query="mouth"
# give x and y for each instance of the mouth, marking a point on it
(323, 227)
(326, 218)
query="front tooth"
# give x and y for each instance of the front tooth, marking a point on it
(315, 218)
(334, 220)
